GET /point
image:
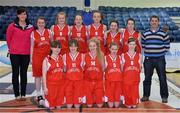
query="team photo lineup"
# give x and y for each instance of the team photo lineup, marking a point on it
(90, 65)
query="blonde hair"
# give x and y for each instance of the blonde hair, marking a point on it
(100, 54)
(60, 13)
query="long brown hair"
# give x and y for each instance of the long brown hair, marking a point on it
(100, 54)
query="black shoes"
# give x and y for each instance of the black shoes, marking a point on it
(144, 98)
(164, 100)
(40, 100)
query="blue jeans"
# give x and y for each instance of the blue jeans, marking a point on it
(159, 64)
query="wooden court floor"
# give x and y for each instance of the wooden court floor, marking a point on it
(30, 106)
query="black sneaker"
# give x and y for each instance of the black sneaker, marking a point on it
(164, 100)
(40, 100)
(144, 98)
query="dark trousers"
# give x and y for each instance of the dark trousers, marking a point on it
(19, 65)
(159, 64)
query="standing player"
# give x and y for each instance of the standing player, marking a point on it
(113, 76)
(53, 80)
(97, 29)
(131, 74)
(61, 31)
(40, 48)
(74, 75)
(79, 32)
(131, 32)
(113, 35)
(94, 66)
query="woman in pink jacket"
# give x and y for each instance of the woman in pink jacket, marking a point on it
(18, 41)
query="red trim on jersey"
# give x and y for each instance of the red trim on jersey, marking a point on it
(73, 64)
(97, 32)
(93, 69)
(113, 69)
(40, 50)
(81, 36)
(131, 68)
(113, 38)
(55, 71)
(126, 36)
(62, 34)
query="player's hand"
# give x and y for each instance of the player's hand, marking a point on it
(45, 91)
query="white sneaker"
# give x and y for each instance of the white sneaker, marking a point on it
(134, 106)
(128, 106)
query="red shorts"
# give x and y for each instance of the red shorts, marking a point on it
(37, 65)
(131, 93)
(113, 90)
(94, 92)
(55, 95)
(73, 91)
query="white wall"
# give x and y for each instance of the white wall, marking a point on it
(94, 3)
(77, 3)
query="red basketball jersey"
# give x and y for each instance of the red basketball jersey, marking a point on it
(61, 34)
(54, 70)
(113, 68)
(97, 32)
(113, 38)
(74, 66)
(41, 42)
(126, 36)
(93, 69)
(81, 36)
(131, 67)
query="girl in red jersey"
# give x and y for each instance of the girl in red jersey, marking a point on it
(131, 74)
(74, 75)
(61, 31)
(97, 29)
(131, 32)
(94, 66)
(40, 48)
(113, 35)
(79, 32)
(53, 77)
(113, 76)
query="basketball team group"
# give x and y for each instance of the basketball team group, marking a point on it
(78, 64)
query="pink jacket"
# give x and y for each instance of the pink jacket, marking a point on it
(18, 40)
